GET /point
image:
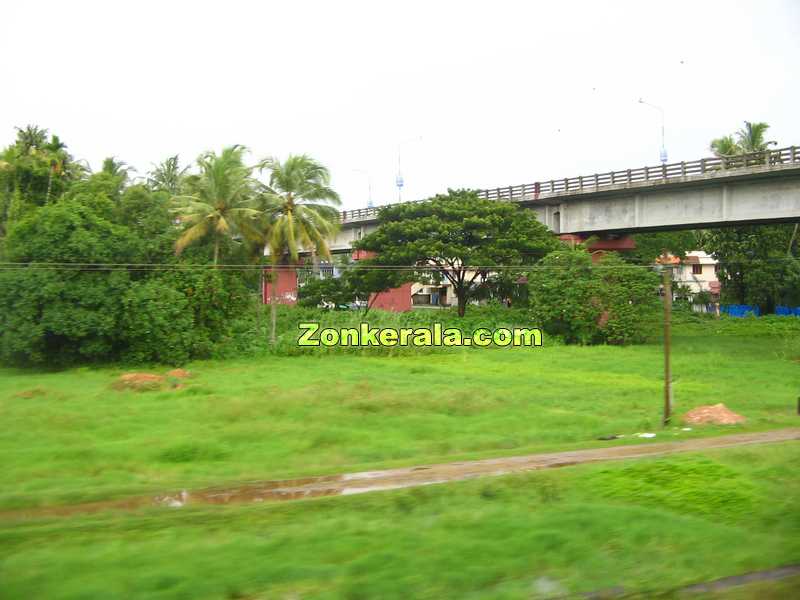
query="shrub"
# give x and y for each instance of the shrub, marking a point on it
(156, 324)
(52, 317)
(587, 303)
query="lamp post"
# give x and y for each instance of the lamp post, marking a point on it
(663, 146)
(399, 182)
(369, 185)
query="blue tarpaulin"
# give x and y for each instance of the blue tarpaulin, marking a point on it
(743, 310)
(740, 310)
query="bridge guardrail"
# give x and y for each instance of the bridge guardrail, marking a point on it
(532, 191)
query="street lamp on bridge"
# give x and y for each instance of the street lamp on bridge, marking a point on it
(663, 155)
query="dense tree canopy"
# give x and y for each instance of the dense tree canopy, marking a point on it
(460, 238)
(584, 302)
(758, 265)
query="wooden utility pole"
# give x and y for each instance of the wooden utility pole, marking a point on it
(666, 271)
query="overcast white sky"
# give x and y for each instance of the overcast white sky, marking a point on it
(499, 92)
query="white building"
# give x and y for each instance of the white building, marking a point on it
(698, 272)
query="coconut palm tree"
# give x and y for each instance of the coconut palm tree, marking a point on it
(300, 209)
(746, 140)
(220, 200)
(750, 138)
(117, 168)
(725, 146)
(167, 176)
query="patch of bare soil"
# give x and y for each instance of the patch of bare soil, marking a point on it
(716, 414)
(393, 479)
(139, 382)
(32, 393)
(179, 373)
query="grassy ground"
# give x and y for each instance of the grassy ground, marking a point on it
(649, 526)
(68, 436)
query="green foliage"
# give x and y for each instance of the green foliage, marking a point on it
(358, 282)
(33, 171)
(299, 207)
(332, 291)
(156, 324)
(651, 245)
(586, 303)
(215, 300)
(70, 231)
(750, 138)
(82, 313)
(60, 317)
(219, 202)
(462, 237)
(758, 265)
(167, 176)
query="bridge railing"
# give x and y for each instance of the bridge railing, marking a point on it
(676, 170)
(532, 191)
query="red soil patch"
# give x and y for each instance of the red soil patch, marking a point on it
(717, 414)
(179, 373)
(34, 393)
(139, 381)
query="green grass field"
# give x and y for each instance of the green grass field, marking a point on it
(650, 526)
(69, 436)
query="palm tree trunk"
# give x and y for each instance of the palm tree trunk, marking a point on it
(216, 250)
(793, 238)
(273, 301)
(49, 185)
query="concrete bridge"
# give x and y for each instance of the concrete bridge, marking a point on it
(763, 187)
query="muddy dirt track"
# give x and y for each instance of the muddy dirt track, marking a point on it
(392, 479)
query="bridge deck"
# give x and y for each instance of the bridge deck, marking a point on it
(711, 167)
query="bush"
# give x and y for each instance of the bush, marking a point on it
(586, 303)
(60, 317)
(156, 324)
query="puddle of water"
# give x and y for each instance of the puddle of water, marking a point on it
(393, 479)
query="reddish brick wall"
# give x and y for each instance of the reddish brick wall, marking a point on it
(395, 299)
(286, 288)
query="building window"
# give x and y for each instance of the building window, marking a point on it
(697, 269)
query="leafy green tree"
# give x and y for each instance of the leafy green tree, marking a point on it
(587, 303)
(71, 232)
(33, 171)
(70, 313)
(460, 238)
(359, 282)
(146, 214)
(754, 266)
(219, 202)
(759, 264)
(650, 245)
(156, 324)
(299, 207)
(59, 317)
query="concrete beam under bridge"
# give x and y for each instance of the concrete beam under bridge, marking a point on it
(759, 194)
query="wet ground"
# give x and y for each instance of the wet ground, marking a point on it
(392, 479)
